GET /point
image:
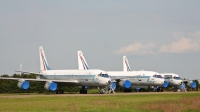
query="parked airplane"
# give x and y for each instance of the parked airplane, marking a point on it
(173, 79)
(64, 77)
(176, 82)
(135, 78)
(126, 67)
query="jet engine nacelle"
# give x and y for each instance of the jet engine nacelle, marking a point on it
(51, 86)
(22, 84)
(192, 84)
(125, 83)
(165, 84)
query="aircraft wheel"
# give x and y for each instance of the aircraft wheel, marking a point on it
(175, 90)
(59, 92)
(85, 91)
(81, 92)
(102, 91)
(158, 89)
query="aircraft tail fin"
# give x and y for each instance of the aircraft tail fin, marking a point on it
(43, 60)
(82, 64)
(126, 66)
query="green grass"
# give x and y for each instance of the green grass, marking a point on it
(189, 101)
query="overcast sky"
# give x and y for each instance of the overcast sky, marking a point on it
(161, 36)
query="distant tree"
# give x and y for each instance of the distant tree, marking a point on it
(5, 75)
(16, 76)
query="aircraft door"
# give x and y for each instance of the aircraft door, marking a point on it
(96, 79)
(139, 78)
(86, 78)
(83, 78)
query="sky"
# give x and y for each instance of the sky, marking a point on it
(160, 36)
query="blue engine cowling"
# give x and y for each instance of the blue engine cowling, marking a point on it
(51, 86)
(165, 84)
(137, 89)
(86, 87)
(125, 84)
(22, 84)
(192, 84)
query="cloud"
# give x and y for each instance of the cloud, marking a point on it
(181, 46)
(196, 34)
(186, 43)
(136, 48)
(178, 34)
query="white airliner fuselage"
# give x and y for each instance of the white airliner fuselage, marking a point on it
(80, 77)
(144, 78)
(153, 76)
(172, 79)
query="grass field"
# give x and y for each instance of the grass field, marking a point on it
(134, 102)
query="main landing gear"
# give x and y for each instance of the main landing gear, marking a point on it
(59, 92)
(83, 90)
(106, 90)
(127, 90)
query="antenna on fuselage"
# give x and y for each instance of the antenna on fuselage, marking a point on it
(20, 69)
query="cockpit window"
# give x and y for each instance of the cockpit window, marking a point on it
(104, 75)
(157, 76)
(177, 78)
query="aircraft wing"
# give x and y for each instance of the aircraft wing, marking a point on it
(37, 73)
(188, 80)
(43, 80)
(118, 78)
(121, 78)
